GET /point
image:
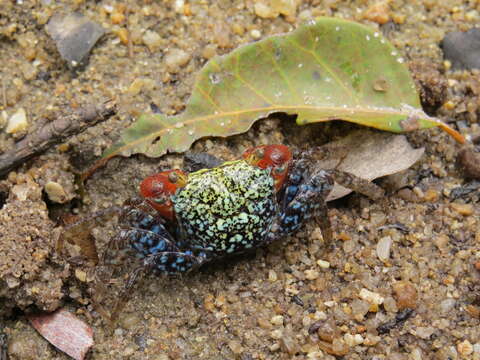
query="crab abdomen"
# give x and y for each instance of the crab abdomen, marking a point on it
(226, 209)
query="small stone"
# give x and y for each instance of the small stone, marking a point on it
(473, 310)
(384, 246)
(264, 11)
(81, 275)
(209, 51)
(465, 348)
(75, 35)
(358, 339)
(285, 7)
(339, 348)
(152, 40)
(371, 340)
(424, 332)
(349, 339)
(416, 354)
(311, 274)
(406, 295)
(359, 309)
(117, 18)
(255, 34)
(128, 351)
(277, 320)
(272, 276)
(123, 35)
(17, 123)
(323, 264)
(431, 195)
(315, 355)
(235, 346)
(136, 86)
(327, 331)
(264, 323)
(379, 13)
(462, 49)
(276, 334)
(371, 297)
(55, 192)
(29, 71)
(289, 344)
(390, 304)
(462, 209)
(175, 59)
(446, 306)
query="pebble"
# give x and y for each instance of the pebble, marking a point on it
(289, 344)
(462, 49)
(17, 123)
(74, 35)
(462, 209)
(416, 354)
(276, 334)
(175, 59)
(285, 7)
(384, 246)
(277, 320)
(379, 13)
(360, 309)
(272, 276)
(423, 332)
(323, 264)
(255, 34)
(406, 295)
(264, 11)
(55, 192)
(353, 340)
(209, 51)
(152, 40)
(371, 297)
(465, 348)
(447, 305)
(311, 274)
(235, 346)
(315, 355)
(81, 275)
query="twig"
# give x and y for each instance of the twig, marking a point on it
(55, 132)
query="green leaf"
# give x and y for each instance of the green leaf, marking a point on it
(328, 69)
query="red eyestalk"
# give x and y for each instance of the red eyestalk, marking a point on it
(276, 157)
(158, 188)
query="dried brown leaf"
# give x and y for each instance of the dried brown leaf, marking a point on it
(369, 155)
(64, 331)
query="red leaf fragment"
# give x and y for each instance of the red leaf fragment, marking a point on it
(64, 331)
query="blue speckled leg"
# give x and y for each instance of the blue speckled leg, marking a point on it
(146, 234)
(303, 198)
(174, 262)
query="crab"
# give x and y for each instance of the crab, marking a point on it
(186, 220)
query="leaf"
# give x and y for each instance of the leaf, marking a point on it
(369, 155)
(327, 69)
(65, 331)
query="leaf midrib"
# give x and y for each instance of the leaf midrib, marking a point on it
(268, 109)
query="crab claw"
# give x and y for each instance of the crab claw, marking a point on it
(276, 157)
(157, 189)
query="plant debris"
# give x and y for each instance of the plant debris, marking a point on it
(64, 331)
